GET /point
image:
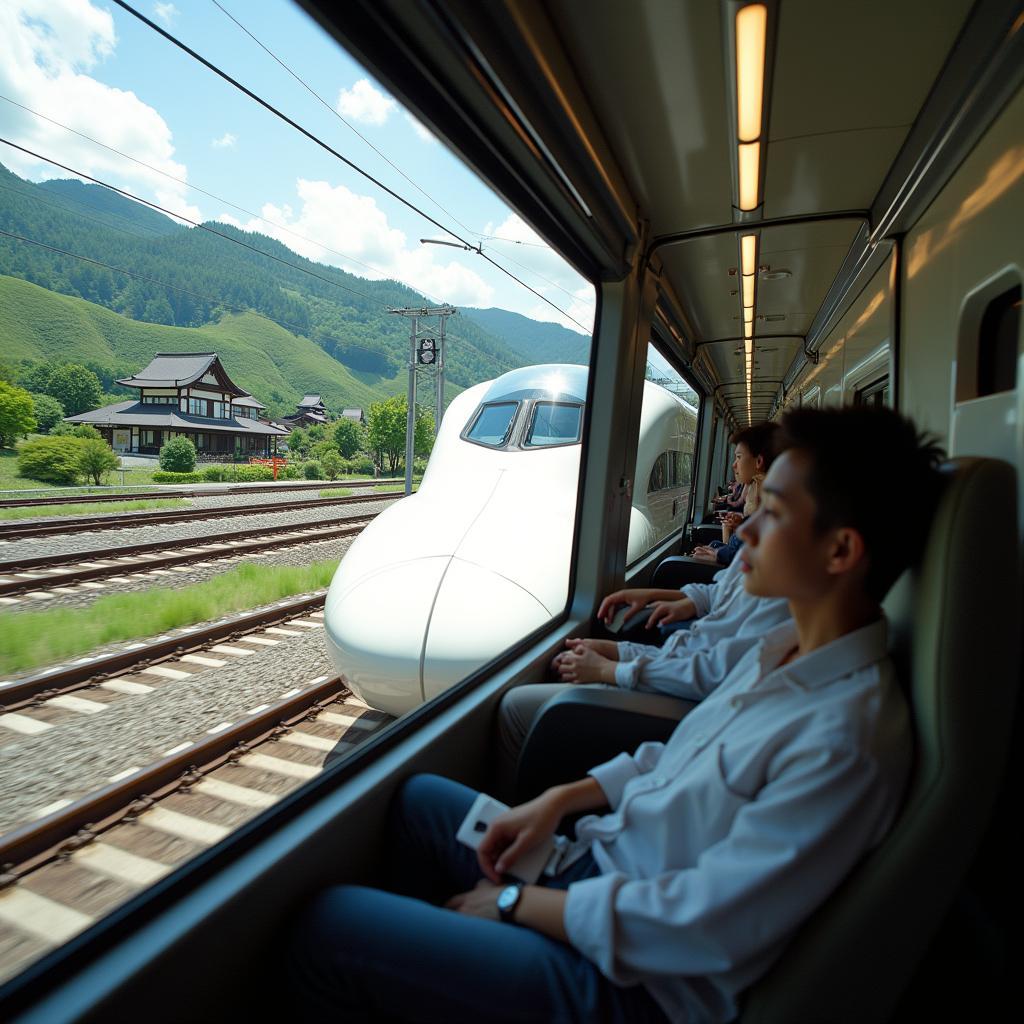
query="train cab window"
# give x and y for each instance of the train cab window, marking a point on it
(875, 393)
(493, 424)
(997, 344)
(554, 423)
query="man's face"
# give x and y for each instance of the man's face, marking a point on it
(782, 556)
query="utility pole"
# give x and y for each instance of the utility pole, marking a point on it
(426, 358)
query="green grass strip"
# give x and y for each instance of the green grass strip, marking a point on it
(337, 492)
(31, 639)
(90, 508)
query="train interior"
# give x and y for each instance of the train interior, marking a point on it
(862, 216)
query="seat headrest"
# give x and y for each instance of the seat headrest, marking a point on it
(955, 636)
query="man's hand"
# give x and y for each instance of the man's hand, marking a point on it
(705, 554)
(583, 664)
(481, 901)
(519, 830)
(665, 612)
(635, 598)
(606, 648)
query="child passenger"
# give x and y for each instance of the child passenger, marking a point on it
(700, 856)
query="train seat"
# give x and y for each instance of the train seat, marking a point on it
(954, 637)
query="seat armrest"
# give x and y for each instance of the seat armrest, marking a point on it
(706, 532)
(676, 570)
(584, 726)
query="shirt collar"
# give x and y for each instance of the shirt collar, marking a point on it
(843, 656)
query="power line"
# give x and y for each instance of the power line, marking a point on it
(188, 220)
(338, 115)
(547, 280)
(330, 149)
(211, 195)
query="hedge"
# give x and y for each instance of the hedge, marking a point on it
(161, 476)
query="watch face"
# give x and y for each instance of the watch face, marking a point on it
(508, 897)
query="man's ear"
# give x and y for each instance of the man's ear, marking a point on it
(847, 551)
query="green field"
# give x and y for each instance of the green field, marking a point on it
(276, 366)
(32, 639)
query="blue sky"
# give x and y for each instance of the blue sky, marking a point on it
(94, 68)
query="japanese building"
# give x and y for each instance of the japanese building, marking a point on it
(310, 410)
(185, 395)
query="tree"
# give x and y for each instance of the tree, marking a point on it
(385, 432)
(96, 459)
(298, 442)
(178, 456)
(17, 416)
(53, 459)
(75, 387)
(49, 412)
(349, 437)
(330, 463)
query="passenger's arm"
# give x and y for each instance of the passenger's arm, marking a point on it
(636, 598)
(789, 845)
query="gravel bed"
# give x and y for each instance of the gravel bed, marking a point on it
(79, 756)
(86, 541)
(297, 554)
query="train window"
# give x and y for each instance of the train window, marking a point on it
(997, 344)
(554, 423)
(493, 424)
(668, 423)
(875, 393)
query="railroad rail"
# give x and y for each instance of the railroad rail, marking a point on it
(177, 651)
(65, 870)
(202, 492)
(28, 575)
(17, 529)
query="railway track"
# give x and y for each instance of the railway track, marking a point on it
(35, 703)
(37, 576)
(18, 529)
(201, 492)
(77, 863)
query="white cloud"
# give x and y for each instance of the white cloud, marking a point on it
(165, 13)
(226, 141)
(522, 251)
(334, 217)
(46, 49)
(365, 103)
(424, 133)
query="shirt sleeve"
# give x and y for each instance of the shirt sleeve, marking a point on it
(682, 671)
(788, 847)
(727, 552)
(613, 775)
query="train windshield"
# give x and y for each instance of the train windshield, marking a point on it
(493, 424)
(554, 423)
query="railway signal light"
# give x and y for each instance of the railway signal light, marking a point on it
(426, 352)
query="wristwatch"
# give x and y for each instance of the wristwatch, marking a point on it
(508, 900)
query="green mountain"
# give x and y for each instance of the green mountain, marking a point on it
(192, 283)
(532, 340)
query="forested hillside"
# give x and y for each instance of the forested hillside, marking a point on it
(188, 278)
(532, 340)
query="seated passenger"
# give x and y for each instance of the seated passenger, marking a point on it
(754, 453)
(732, 500)
(704, 854)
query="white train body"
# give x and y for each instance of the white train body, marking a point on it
(444, 580)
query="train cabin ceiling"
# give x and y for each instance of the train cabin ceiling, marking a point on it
(630, 102)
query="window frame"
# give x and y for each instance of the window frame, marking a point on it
(509, 430)
(537, 403)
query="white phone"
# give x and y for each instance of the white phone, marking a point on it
(474, 826)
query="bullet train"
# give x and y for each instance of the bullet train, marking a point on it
(446, 579)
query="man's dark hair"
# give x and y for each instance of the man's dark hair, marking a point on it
(861, 457)
(760, 439)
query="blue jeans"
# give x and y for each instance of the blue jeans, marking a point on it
(361, 954)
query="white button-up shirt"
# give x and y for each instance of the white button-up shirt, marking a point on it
(693, 662)
(722, 841)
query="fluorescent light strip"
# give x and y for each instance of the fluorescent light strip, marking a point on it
(751, 41)
(748, 291)
(748, 254)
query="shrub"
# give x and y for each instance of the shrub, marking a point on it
(86, 432)
(320, 449)
(252, 474)
(167, 477)
(331, 464)
(96, 459)
(52, 459)
(49, 412)
(290, 472)
(178, 456)
(215, 474)
(361, 464)
(311, 470)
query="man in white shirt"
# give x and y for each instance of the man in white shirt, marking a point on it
(705, 853)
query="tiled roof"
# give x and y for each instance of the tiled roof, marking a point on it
(163, 417)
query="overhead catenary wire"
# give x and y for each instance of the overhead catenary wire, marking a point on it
(330, 149)
(211, 195)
